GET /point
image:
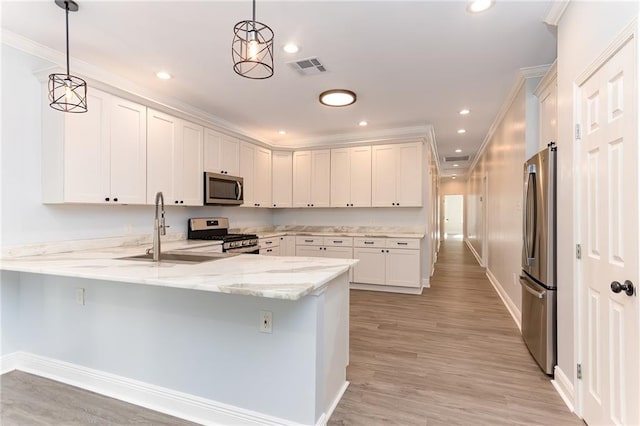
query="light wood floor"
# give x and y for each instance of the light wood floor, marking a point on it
(452, 356)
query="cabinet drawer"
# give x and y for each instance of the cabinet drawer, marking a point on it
(338, 241)
(406, 243)
(308, 241)
(369, 242)
(269, 242)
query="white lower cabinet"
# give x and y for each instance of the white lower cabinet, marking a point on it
(383, 264)
(272, 251)
(287, 245)
(331, 247)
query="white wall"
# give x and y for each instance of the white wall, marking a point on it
(584, 32)
(24, 218)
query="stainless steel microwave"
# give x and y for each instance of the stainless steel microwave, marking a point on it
(223, 189)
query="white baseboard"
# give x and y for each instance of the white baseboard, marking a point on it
(385, 288)
(473, 250)
(564, 387)
(426, 283)
(508, 303)
(168, 401)
(9, 362)
(326, 416)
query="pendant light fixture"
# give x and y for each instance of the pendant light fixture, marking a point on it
(67, 92)
(252, 49)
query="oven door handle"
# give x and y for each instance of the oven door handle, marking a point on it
(245, 249)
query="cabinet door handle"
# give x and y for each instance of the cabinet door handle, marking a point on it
(106, 199)
(308, 241)
(268, 242)
(176, 201)
(337, 241)
(381, 251)
(115, 199)
(181, 201)
(311, 205)
(368, 242)
(402, 244)
(387, 251)
(397, 204)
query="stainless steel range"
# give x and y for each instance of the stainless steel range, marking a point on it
(217, 228)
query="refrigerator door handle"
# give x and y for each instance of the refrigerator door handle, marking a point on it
(538, 294)
(530, 234)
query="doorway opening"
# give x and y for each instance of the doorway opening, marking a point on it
(453, 217)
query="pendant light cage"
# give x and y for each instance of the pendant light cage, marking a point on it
(252, 48)
(67, 92)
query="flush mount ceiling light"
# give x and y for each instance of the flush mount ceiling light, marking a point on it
(461, 131)
(67, 92)
(464, 111)
(363, 123)
(458, 150)
(478, 6)
(282, 132)
(291, 48)
(252, 49)
(163, 75)
(337, 97)
(456, 165)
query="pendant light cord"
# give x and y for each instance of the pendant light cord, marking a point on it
(66, 4)
(254, 15)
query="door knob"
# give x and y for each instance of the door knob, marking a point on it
(627, 287)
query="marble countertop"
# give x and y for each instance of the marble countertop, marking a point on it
(288, 278)
(334, 231)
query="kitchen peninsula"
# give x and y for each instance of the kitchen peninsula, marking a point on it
(184, 338)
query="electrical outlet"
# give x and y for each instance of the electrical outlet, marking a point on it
(80, 296)
(266, 322)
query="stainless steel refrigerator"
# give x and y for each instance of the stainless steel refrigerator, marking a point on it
(538, 278)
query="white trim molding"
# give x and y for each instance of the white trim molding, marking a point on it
(556, 10)
(564, 387)
(474, 252)
(168, 401)
(508, 303)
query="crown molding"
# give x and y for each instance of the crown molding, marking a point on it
(550, 76)
(522, 76)
(555, 12)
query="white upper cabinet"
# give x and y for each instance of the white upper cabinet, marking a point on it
(174, 160)
(397, 175)
(221, 153)
(311, 178)
(255, 169)
(547, 93)
(282, 178)
(351, 177)
(95, 157)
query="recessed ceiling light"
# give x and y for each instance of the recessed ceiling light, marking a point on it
(337, 97)
(456, 165)
(464, 111)
(477, 6)
(458, 150)
(282, 132)
(461, 131)
(163, 75)
(363, 123)
(291, 48)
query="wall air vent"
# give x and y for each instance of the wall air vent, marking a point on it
(455, 159)
(309, 66)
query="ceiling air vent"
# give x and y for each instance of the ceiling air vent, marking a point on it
(309, 66)
(458, 158)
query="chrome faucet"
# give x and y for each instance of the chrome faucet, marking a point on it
(159, 227)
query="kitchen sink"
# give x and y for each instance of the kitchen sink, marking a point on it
(172, 257)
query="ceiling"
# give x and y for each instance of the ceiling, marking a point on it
(411, 63)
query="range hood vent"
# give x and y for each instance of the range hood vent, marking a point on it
(456, 159)
(309, 66)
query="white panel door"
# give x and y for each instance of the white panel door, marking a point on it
(321, 178)
(360, 176)
(162, 135)
(340, 177)
(403, 267)
(246, 169)
(262, 177)
(302, 179)
(86, 152)
(191, 191)
(383, 176)
(371, 269)
(282, 178)
(128, 152)
(609, 237)
(409, 177)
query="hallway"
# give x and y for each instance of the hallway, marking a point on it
(451, 356)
